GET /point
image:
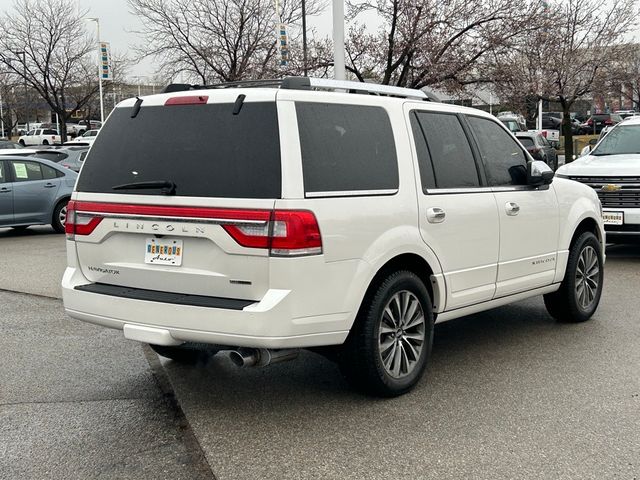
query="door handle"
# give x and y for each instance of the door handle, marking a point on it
(435, 215)
(512, 208)
(49, 185)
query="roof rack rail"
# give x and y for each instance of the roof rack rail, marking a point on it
(307, 83)
(311, 83)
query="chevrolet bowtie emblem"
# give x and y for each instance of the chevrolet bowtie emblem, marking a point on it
(610, 188)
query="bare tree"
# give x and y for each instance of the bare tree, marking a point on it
(213, 40)
(432, 42)
(626, 74)
(45, 42)
(565, 60)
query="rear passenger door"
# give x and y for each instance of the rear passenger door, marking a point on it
(34, 191)
(6, 196)
(528, 215)
(458, 214)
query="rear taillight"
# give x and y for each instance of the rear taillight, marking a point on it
(288, 233)
(544, 133)
(79, 223)
(285, 233)
(608, 122)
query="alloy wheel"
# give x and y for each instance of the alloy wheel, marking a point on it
(587, 277)
(402, 334)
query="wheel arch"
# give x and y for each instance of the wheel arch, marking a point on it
(412, 262)
(588, 224)
(66, 197)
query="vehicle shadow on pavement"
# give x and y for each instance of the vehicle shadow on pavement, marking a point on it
(34, 231)
(513, 359)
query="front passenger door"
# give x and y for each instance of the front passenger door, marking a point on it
(528, 215)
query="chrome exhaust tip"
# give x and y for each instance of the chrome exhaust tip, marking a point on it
(261, 357)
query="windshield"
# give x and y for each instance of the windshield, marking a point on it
(619, 141)
(512, 125)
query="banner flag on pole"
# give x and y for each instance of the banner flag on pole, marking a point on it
(283, 39)
(105, 61)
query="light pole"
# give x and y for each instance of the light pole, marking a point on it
(304, 37)
(97, 20)
(338, 40)
(24, 77)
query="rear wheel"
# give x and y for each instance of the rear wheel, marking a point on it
(386, 353)
(60, 216)
(580, 291)
(45, 142)
(187, 353)
(21, 142)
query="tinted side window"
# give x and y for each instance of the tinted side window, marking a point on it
(451, 155)
(427, 176)
(346, 148)
(504, 160)
(26, 171)
(48, 173)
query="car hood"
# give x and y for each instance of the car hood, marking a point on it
(606, 165)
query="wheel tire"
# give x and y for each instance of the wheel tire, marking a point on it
(571, 303)
(361, 357)
(59, 216)
(21, 142)
(45, 142)
(187, 353)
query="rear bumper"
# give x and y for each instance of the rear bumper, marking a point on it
(267, 323)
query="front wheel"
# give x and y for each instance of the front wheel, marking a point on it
(580, 291)
(60, 216)
(387, 351)
(45, 142)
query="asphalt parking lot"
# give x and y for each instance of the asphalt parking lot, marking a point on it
(509, 393)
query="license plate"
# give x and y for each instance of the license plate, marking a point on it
(161, 251)
(613, 218)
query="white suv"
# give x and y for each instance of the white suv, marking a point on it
(612, 169)
(340, 216)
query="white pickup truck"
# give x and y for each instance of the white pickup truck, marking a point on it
(40, 136)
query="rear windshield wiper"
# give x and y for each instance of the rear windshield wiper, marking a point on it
(167, 187)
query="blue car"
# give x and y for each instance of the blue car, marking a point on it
(34, 191)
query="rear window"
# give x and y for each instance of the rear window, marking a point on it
(205, 150)
(346, 149)
(526, 141)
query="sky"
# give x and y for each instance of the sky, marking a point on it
(117, 25)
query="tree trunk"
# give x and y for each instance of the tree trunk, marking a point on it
(566, 131)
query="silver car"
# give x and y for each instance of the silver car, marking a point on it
(34, 191)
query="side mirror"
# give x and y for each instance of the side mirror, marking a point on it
(539, 173)
(593, 142)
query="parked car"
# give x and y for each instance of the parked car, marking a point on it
(596, 123)
(612, 169)
(9, 145)
(34, 191)
(80, 128)
(539, 148)
(40, 136)
(86, 139)
(70, 157)
(515, 123)
(348, 222)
